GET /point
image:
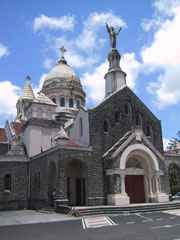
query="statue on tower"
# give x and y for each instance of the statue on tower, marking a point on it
(113, 33)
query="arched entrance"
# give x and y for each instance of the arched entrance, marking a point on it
(76, 173)
(174, 178)
(140, 175)
(52, 182)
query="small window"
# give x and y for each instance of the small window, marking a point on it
(78, 103)
(139, 120)
(149, 131)
(117, 116)
(106, 127)
(71, 103)
(54, 100)
(38, 181)
(127, 109)
(81, 127)
(7, 182)
(62, 102)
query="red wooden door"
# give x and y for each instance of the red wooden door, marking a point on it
(135, 188)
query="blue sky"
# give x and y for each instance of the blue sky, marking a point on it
(32, 31)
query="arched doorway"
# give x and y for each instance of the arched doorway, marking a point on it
(141, 175)
(174, 178)
(76, 173)
(52, 182)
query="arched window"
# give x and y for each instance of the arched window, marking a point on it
(149, 131)
(71, 103)
(128, 109)
(81, 127)
(78, 103)
(62, 102)
(38, 181)
(139, 120)
(54, 100)
(106, 127)
(117, 116)
(7, 182)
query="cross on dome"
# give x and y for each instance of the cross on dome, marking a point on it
(62, 50)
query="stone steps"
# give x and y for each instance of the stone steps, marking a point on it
(108, 210)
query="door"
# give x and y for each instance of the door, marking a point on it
(135, 188)
(80, 191)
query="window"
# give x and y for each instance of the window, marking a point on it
(62, 102)
(139, 120)
(78, 103)
(117, 116)
(149, 132)
(7, 182)
(54, 100)
(71, 103)
(106, 127)
(38, 181)
(81, 127)
(128, 109)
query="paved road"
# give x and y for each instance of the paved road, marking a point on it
(146, 226)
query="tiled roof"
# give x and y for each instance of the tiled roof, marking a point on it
(3, 137)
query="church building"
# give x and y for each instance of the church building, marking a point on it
(59, 152)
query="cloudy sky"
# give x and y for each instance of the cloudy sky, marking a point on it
(31, 32)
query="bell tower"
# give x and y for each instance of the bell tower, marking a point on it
(115, 78)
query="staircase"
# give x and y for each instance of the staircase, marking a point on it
(108, 210)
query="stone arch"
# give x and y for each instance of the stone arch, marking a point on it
(174, 177)
(76, 173)
(142, 151)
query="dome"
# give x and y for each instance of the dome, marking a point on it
(61, 71)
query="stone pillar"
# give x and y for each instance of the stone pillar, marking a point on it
(123, 191)
(160, 196)
(118, 197)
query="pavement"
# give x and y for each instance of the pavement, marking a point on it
(138, 226)
(9, 218)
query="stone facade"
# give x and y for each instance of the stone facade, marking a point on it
(59, 153)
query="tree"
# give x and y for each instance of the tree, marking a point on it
(174, 142)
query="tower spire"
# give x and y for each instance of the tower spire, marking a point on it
(115, 78)
(28, 91)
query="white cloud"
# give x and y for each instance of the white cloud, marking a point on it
(132, 67)
(94, 82)
(84, 49)
(9, 94)
(53, 23)
(4, 51)
(163, 54)
(89, 40)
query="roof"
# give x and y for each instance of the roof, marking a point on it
(28, 91)
(3, 137)
(42, 98)
(61, 71)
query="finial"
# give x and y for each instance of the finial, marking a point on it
(28, 79)
(62, 59)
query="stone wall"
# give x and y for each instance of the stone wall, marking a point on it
(61, 158)
(17, 197)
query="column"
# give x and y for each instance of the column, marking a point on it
(157, 184)
(123, 191)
